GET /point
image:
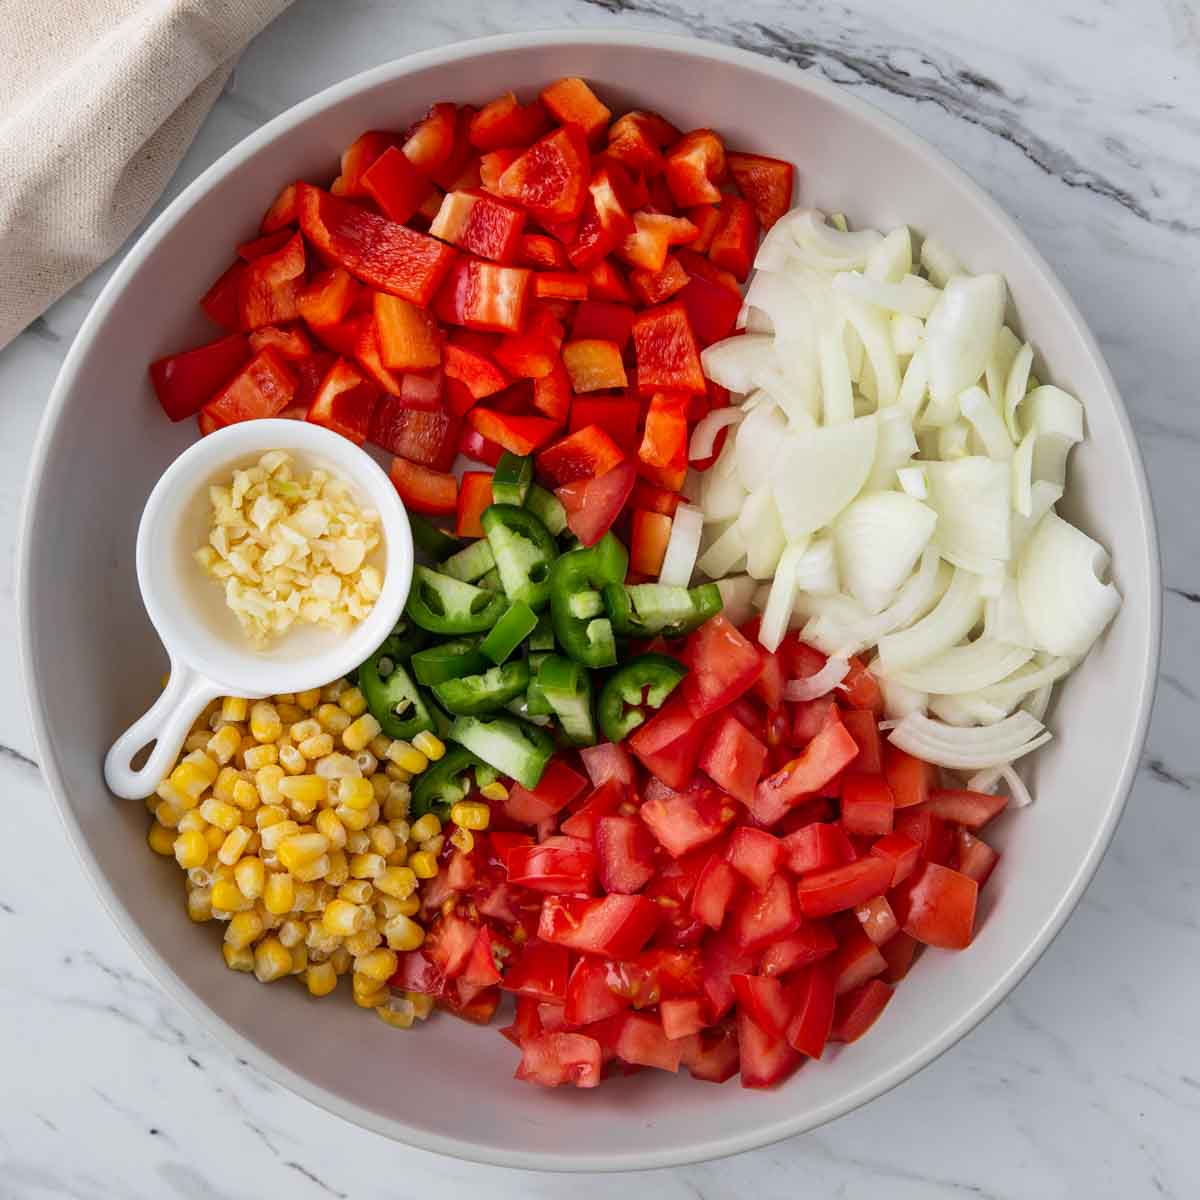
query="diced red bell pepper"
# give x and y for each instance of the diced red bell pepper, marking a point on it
(910, 779)
(328, 298)
(504, 122)
(606, 219)
(483, 295)
(637, 140)
(614, 926)
(736, 238)
(695, 165)
(345, 402)
(539, 971)
(549, 180)
(185, 382)
(269, 289)
(828, 753)
(765, 182)
(722, 666)
(837, 888)
(463, 162)
(618, 417)
(473, 445)
(625, 851)
(666, 351)
(705, 217)
(592, 505)
(647, 496)
(571, 102)
(867, 805)
(409, 338)
(557, 865)
(387, 255)
(936, 905)
(653, 287)
(480, 224)
(532, 354)
(282, 211)
(474, 495)
(699, 267)
(357, 159)
(711, 309)
(653, 236)
(901, 851)
(811, 943)
(560, 285)
(369, 353)
(424, 437)
(521, 435)
(541, 251)
(594, 365)
(424, 490)
(552, 393)
(493, 165)
(974, 858)
(605, 282)
(971, 810)
(472, 368)
(220, 302)
(605, 320)
(586, 454)
(733, 758)
(288, 341)
(664, 441)
(264, 387)
(267, 244)
(396, 185)
(685, 821)
(430, 142)
(649, 534)
(858, 1010)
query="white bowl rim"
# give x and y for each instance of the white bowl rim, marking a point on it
(715, 1147)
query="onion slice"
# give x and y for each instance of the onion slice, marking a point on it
(967, 668)
(737, 597)
(820, 684)
(683, 546)
(969, 749)
(781, 600)
(704, 436)
(956, 614)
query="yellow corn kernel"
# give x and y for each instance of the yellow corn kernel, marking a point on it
(367, 763)
(339, 868)
(265, 725)
(275, 834)
(191, 849)
(197, 740)
(234, 845)
(299, 959)
(381, 785)
(227, 897)
(311, 872)
(357, 891)
(234, 708)
(356, 793)
(407, 757)
(375, 999)
(289, 712)
(244, 796)
(470, 814)
(214, 837)
(320, 978)
(331, 691)
(423, 864)
(268, 815)
(227, 779)
(238, 958)
(250, 876)
(379, 964)
(333, 719)
(462, 840)
(494, 791)
(379, 745)
(422, 1004)
(400, 882)
(353, 818)
(403, 933)
(292, 932)
(358, 841)
(396, 774)
(301, 849)
(199, 904)
(225, 743)
(190, 820)
(367, 866)
(161, 839)
(434, 845)
(305, 728)
(334, 831)
(381, 839)
(194, 774)
(399, 856)
(278, 893)
(309, 700)
(317, 746)
(364, 942)
(292, 761)
(266, 784)
(397, 1012)
(307, 790)
(358, 733)
(429, 745)
(223, 816)
(355, 703)
(345, 919)
(426, 827)
(337, 766)
(305, 898)
(271, 960)
(402, 829)
(243, 929)
(342, 960)
(259, 757)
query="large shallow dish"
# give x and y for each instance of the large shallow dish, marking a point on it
(92, 661)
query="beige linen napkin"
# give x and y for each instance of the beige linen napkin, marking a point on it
(99, 99)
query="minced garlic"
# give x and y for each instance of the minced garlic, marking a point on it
(290, 547)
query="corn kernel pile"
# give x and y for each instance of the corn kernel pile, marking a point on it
(290, 817)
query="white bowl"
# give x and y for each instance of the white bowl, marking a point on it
(92, 660)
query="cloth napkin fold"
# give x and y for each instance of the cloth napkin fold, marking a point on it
(99, 99)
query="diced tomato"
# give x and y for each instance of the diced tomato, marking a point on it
(626, 854)
(936, 905)
(484, 295)
(857, 960)
(538, 970)
(416, 973)
(448, 944)
(521, 435)
(594, 504)
(858, 1010)
(900, 952)
(860, 689)
(396, 185)
(877, 920)
(695, 165)
(971, 810)
(755, 854)
(589, 998)
(974, 857)
(764, 1002)
(668, 745)
(684, 821)
(344, 402)
(603, 802)
(816, 847)
(867, 805)
(764, 916)
(424, 490)
(557, 865)
(505, 122)
(733, 758)
(735, 239)
(721, 958)
(185, 382)
(558, 786)
(387, 255)
(571, 102)
(480, 224)
(612, 927)
(837, 888)
(683, 1017)
(642, 1041)
(712, 1055)
(552, 1059)
(503, 842)
(264, 387)
(864, 728)
(616, 416)
(667, 356)
(811, 943)
(722, 665)
(929, 831)
(765, 182)
(765, 1060)
(478, 1007)
(474, 495)
(827, 754)
(605, 282)
(901, 851)
(606, 762)
(549, 180)
(713, 892)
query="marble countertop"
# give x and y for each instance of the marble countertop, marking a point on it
(1082, 118)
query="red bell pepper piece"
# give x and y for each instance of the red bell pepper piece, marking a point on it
(695, 165)
(654, 234)
(699, 267)
(345, 402)
(765, 182)
(396, 185)
(484, 295)
(473, 368)
(424, 490)
(504, 122)
(606, 220)
(493, 165)
(605, 282)
(549, 180)
(666, 351)
(481, 224)
(288, 341)
(664, 442)
(532, 354)
(560, 285)
(653, 287)
(654, 499)
(594, 504)
(552, 393)
(585, 454)
(473, 445)
(268, 244)
(594, 365)
(357, 159)
(387, 255)
(474, 495)
(185, 382)
(264, 387)
(428, 438)
(369, 354)
(461, 168)
(269, 289)
(282, 211)
(430, 142)
(649, 534)
(521, 435)
(637, 139)
(328, 298)
(220, 302)
(571, 102)
(711, 309)
(409, 338)
(603, 319)
(736, 238)
(542, 251)
(617, 416)
(706, 218)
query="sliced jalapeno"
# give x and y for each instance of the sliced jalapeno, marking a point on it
(445, 605)
(393, 698)
(649, 609)
(633, 690)
(444, 783)
(524, 551)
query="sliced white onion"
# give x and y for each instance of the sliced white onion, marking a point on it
(856, 354)
(831, 249)
(871, 326)
(999, 366)
(761, 533)
(1043, 497)
(914, 481)
(1059, 581)
(878, 539)
(899, 701)
(759, 438)
(989, 425)
(1003, 619)
(971, 499)
(968, 709)
(820, 684)
(1015, 387)
(721, 492)
(911, 295)
(1022, 475)
(954, 441)
(732, 363)
(683, 546)
(737, 597)
(816, 568)
(969, 749)
(923, 589)
(891, 259)
(961, 331)
(939, 261)
(956, 614)
(907, 334)
(986, 781)
(1032, 677)
(1036, 703)
(837, 394)
(895, 448)
(781, 601)
(727, 553)
(967, 668)
(754, 320)
(704, 436)
(915, 384)
(779, 248)
(1056, 417)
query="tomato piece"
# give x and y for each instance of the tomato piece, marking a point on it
(816, 847)
(612, 927)
(974, 857)
(901, 851)
(858, 1010)
(733, 758)
(900, 952)
(387, 255)
(684, 821)
(552, 1059)
(416, 973)
(721, 958)
(571, 102)
(682, 1017)
(770, 682)
(811, 943)
(626, 854)
(549, 180)
(754, 854)
(481, 963)
(765, 182)
(558, 786)
(264, 387)
(480, 224)
(765, 1059)
(505, 122)
(762, 917)
(589, 998)
(539, 970)
(594, 504)
(860, 689)
(864, 729)
(396, 185)
(484, 295)
(642, 1041)
(422, 489)
(877, 920)
(836, 888)
(618, 417)
(556, 865)
(695, 165)
(469, 1004)
(668, 745)
(712, 1055)
(971, 810)
(345, 402)
(185, 382)
(606, 762)
(867, 805)
(521, 435)
(936, 905)
(713, 892)
(857, 960)
(585, 454)
(812, 998)
(503, 842)
(722, 666)
(828, 753)
(448, 944)
(930, 832)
